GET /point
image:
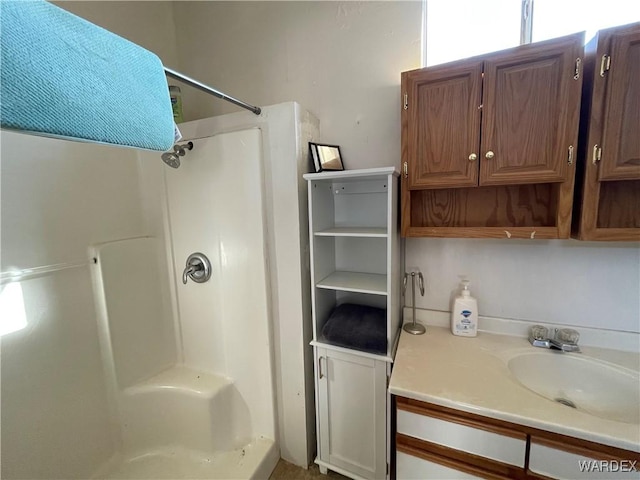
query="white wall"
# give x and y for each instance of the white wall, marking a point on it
(147, 23)
(564, 282)
(343, 61)
(58, 198)
(340, 60)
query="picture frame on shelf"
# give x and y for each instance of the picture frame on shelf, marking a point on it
(326, 158)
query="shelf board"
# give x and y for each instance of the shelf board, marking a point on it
(376, 232)
(352, 174)
(351, 351)
(485, 232)
(372, 283)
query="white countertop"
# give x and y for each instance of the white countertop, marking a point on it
(471, 374)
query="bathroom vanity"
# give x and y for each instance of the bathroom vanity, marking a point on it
(484, 408)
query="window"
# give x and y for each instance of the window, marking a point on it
(463, 28)
(458, 29)
(554, 18)
(12, 313)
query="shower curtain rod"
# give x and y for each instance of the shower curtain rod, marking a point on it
(207, 89)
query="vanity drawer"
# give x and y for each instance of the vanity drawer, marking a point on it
(509, 449)
(553, 459)
(409, 467)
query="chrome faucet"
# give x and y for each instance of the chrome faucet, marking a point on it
(564, 339)
(539, 336)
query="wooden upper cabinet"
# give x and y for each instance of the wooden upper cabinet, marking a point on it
(620, 154)
(530, 113)
(489, 144)
(442, 106)
(506, 118)
(607, 206)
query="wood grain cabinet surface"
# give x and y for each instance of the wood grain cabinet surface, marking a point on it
(432, 441)
(608, 195)
(444, 124)
(489, 143)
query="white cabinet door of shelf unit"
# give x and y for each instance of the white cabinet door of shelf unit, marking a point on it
(351, 396)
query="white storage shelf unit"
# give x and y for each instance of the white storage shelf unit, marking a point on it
(354, 245)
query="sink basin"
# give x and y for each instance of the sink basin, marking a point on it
(580, 382)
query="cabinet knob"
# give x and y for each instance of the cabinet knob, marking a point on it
(489, 155)
(473, 157)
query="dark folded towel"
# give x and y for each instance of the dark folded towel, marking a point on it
(359, 327)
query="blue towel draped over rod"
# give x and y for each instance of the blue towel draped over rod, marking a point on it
(63, 76)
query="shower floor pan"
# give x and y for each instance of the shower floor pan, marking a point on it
(183, 423)
(252, 461)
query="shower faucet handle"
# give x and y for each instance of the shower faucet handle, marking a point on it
(197, 268)
(188, 271)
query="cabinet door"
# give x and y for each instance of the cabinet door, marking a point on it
(531, 104)
(442, 118)
(621, 124)
(352, 413)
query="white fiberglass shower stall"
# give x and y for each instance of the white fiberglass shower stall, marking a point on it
(191, 374)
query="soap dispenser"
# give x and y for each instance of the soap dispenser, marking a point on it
(464, 313)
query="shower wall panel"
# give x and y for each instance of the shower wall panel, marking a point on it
(58, 197)
(131, 284)
(215, 206)
(285, 129)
